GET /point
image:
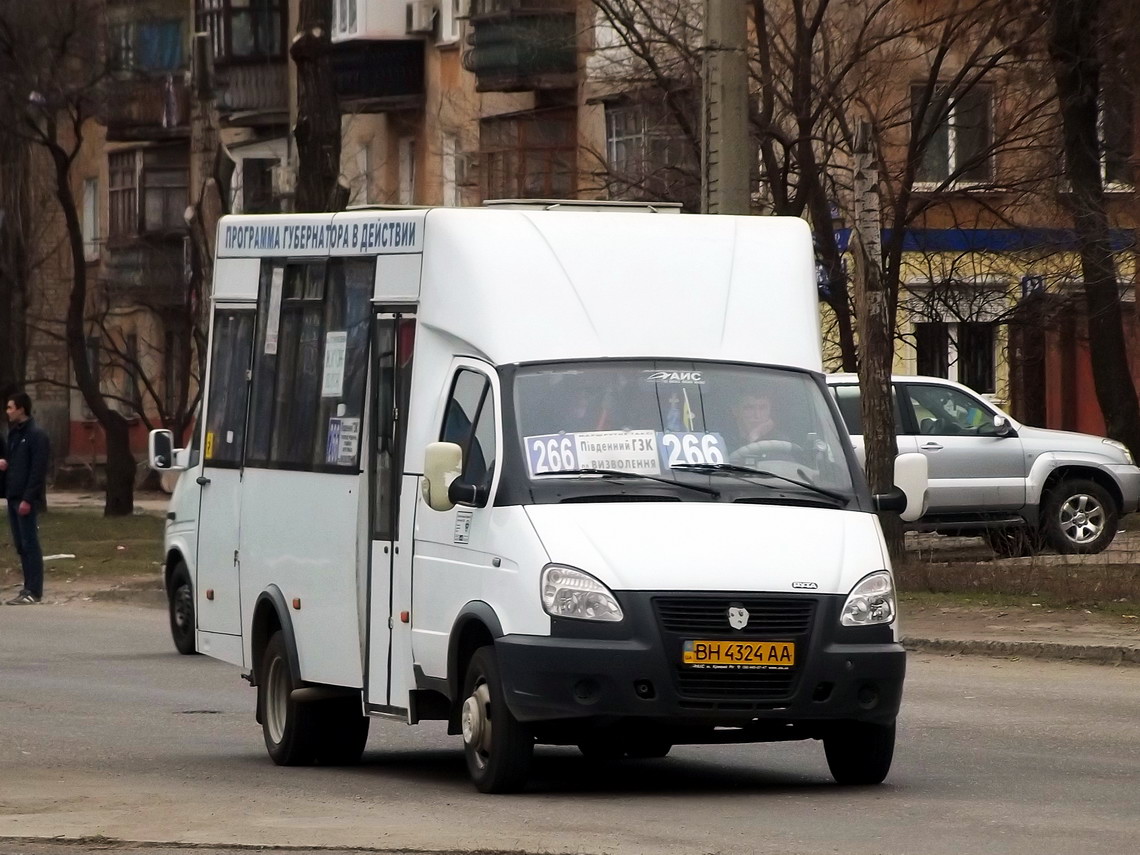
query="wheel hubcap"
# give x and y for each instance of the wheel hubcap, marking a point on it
(1082, 518)
(476, 722)
(183, 608)
(276, 700)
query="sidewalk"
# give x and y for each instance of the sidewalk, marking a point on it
(1010, 632)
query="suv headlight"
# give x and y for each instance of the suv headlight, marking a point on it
(570, 593)
(1122, 448)
(870, 602)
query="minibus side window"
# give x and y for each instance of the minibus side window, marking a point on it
(470, 423)
(310, 364)
(229, 390)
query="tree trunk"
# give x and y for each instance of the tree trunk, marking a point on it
(1073, 42)
(318, 113)
(120, 471)
(15, 216)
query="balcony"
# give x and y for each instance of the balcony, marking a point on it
(146, 271)
(520, 45)
(146, 108)
(253, 93)
(379, 76)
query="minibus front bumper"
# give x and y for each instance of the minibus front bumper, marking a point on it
(839, 673)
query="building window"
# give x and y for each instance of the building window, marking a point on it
(122, 192)
(257, 186)
(243, 29)
(147, 46)
(958, 134)
(344, 21)
(1115, 129)
(148, 191)
(448, 156)
(529, 157)
(962, 351)
(647, 155)
(407, 167)
(91, 219)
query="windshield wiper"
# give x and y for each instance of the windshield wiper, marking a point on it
(742, 472)
(617, 473)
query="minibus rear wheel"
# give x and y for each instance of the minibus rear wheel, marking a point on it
(291, 728)
(497, 746)
(860, 753)
(181, 606)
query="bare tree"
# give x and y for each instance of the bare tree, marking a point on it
(318, 126)
(1080, 36)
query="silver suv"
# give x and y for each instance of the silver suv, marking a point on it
(1017, 486)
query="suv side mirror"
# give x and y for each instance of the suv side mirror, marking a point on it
(908, 496)
(161, 452)
(1002, 427)
(443, 462)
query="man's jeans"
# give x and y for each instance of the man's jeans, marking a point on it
(26, 539)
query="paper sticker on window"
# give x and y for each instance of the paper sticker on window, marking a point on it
(273, 321)
(336, 344)
(209, 444)
(618, 450)
(343, 442)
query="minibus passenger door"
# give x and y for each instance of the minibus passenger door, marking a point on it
(217, 602)
(389, 673)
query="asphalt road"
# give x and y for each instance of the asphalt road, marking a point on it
(107, 733)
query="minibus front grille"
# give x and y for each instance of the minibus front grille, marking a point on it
(736, 685)
(768, 617)
(706, 618)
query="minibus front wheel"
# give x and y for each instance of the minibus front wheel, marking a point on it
(497, 746)
(860, 753)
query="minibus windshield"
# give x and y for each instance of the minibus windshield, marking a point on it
(751, 429)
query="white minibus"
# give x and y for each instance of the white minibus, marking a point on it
(554, 477)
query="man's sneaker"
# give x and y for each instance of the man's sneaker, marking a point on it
(25, 598)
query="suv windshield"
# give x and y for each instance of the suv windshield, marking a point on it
(755, 433)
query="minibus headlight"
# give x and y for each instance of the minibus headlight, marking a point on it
(570, 593)
(870, 602)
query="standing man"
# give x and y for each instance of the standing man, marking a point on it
(25, 468)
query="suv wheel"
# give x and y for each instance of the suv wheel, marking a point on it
(1079, 517)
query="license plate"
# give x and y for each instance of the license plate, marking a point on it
(739, 654)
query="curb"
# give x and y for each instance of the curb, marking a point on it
(1099, 654)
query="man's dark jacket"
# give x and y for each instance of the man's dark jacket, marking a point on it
(28, 451)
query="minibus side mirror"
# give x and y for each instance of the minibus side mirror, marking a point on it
(908, 496)
(161, 452)
(443, 461)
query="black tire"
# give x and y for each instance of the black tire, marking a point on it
(291, 728)
(343, 732)
(860, 754)
(1079, 517)
(1015, 541)
(497, 747)
(180, 605)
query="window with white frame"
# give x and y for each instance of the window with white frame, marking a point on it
(407, 170)
(955, 134)
(647, 155)
(448, 155)
(962, 351)
(1114, 126)
(344, 20)
(91, 219)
